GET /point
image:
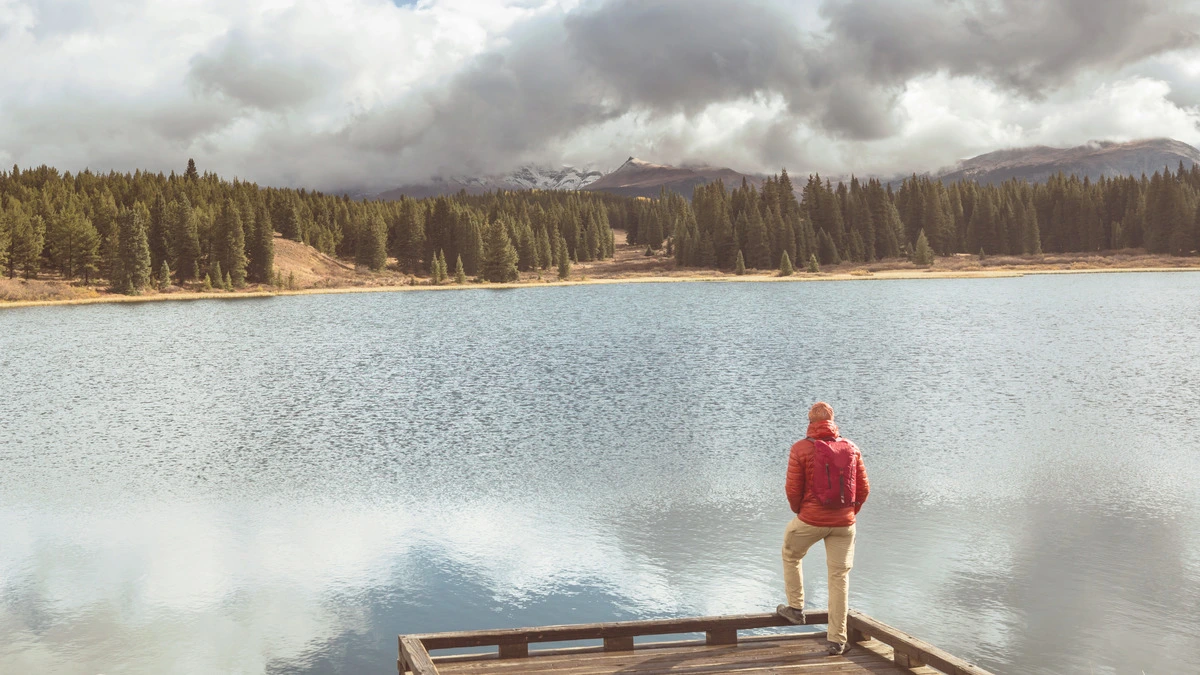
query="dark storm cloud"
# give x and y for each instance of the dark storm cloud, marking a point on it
(682, 56)
(243, 70)
(1028, 45)
(557, 74)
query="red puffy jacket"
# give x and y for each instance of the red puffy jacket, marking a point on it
(804, 503)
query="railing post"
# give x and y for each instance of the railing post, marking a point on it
(415, 657)
(906, 660)
(721, 636)
(516, 650)
(618, 644)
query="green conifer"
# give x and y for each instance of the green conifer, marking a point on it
(827, 248)
(923, 254)
(499, 263)
(813, 266)
(228, 285)
(207, 283)
(27, 239)
(739, 265)
(261, 250)
(372, 245)
(164, 275)
(564, 262)
(231, 243)
(215, 273)
(460, 277)
(785, 265)
(134, 251)
(5, 240)
(187, 241)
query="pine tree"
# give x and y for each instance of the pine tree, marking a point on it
(439, 267)
(758, 248)
(191, 173)
(164, 276)
(372, 245)
(88, 259)
(228, 284)
(71, 241)
(923, 255)
(27, 239)
(499, 257)
(460, 277)
(827, 249)
(135, 270)
(290, 227)
(207, 283)
(813, 266)
(785, 266)
(261, 250)
(186, 238)
(158, 232)
(230, 243)
(739, 265)
(215, 273)
(564, 262)
(544, 254)
(5, 240)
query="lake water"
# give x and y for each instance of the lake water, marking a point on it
(283, 485)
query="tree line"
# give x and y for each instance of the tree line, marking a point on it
(139, 230)
(868, 221)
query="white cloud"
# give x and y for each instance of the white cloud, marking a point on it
(365, 93)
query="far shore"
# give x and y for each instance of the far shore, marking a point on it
(854, 275)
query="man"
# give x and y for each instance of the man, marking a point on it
(826, 486)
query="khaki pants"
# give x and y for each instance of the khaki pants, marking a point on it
(839, 555)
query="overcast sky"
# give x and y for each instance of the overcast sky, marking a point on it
(370, 94)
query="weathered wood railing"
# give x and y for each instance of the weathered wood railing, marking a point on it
(617, 636)
(908, 651)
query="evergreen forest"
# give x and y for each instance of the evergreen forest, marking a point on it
(143, 230)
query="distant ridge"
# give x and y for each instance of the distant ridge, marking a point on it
(1037, 164)
(638, 178)
(532, 177)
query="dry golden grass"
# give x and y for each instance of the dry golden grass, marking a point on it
(38, 290)
(315, 272)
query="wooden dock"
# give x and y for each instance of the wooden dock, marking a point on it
(876, 648)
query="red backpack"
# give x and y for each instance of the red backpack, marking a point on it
(835, 472)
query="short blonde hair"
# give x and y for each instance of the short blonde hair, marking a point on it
(820, 412)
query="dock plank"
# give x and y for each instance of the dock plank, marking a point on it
(878, 648)
(786, 655)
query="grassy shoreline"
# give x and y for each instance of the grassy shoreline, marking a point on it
(670, 278)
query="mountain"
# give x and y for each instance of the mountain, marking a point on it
(531, 177)
(1098, 158)
(636, 178)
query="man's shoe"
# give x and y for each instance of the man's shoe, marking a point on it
(837, 648)
(792, 614)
